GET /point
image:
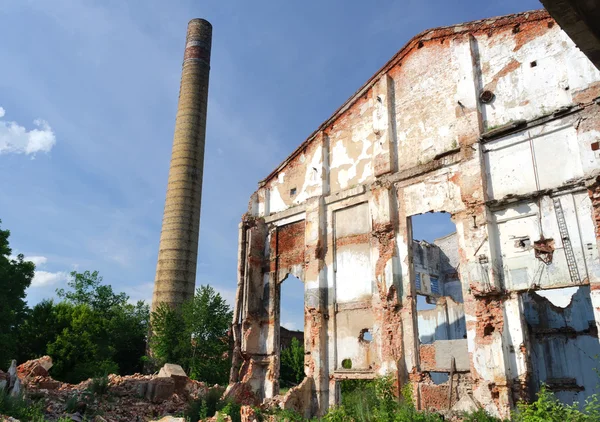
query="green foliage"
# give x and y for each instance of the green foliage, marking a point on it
(285, 415)
(93, 331)
(548, 409)
(292, 364)
(16, 275)
(232, 409)
(480, 416)
(97, 331)
(71, 404)
(99, 385)
(40, 327)
(20, 408)
(337, 414)
(210, 404)
(375, 400)
(194, 336)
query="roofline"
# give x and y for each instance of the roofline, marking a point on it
(499, 21)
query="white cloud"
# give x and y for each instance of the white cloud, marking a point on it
(47, 278)
(16, 139)
(43, 278)
(37, 260)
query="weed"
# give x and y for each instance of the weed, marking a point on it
(71, 404)
(20, 407)
(480, 416)
(547, 408)
(99, 385)
(286, 415)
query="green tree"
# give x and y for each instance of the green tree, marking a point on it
(16, 275)
(194, 336)
(91, 332)
(291, 370)
(40, 327)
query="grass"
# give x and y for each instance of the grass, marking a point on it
(99, 385)
(20, 407)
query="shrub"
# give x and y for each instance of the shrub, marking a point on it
(547, 408)
(20, 408)
(292, 364)
(194, 336)
(480, 416)
(204, 407)
(99, 385)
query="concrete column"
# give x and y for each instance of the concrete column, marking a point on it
(178, 251)
(387, 275)
(385, 147)
(315, 304)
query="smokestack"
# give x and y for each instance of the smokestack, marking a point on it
(175, 279)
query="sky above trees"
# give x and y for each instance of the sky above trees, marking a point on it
(88, 95)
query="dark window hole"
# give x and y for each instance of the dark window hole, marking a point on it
(486, 97)
(293, 191)
(533, 63)
(347, 364)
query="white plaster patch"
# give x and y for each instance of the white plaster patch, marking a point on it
(276, 202)
(559, 297)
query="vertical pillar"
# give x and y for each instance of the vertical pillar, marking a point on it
(385, 149)
(178, 251)
(315, 303)
(387, 277)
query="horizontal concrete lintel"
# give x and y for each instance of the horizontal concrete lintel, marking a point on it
(521, 125)
(572, 187)
(411, 175)
(298, 209)
(348, 193)
(354, 375)
(528, 289)
(339, 307)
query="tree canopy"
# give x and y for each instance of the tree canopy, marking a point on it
(91, 331)
(194, 336)
(16, 275)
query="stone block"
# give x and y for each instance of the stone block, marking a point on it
(160, 389)
(176, 372)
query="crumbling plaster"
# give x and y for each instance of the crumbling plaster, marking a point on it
(418, 138)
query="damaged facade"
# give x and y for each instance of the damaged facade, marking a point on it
(495, 122)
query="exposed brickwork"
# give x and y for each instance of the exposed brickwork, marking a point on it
(427, 356)
(594, 194)
(490, 318)
(290, 245)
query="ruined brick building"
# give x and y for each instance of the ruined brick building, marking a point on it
(495, 122)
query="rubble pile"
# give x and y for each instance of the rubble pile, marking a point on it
(121, 398)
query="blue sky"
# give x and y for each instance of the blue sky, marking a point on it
(83, 187)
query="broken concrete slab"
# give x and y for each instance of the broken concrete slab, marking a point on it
(160, 389)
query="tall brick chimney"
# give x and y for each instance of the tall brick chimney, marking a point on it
(178, 251)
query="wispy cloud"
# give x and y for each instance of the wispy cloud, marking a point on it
(16, 139)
